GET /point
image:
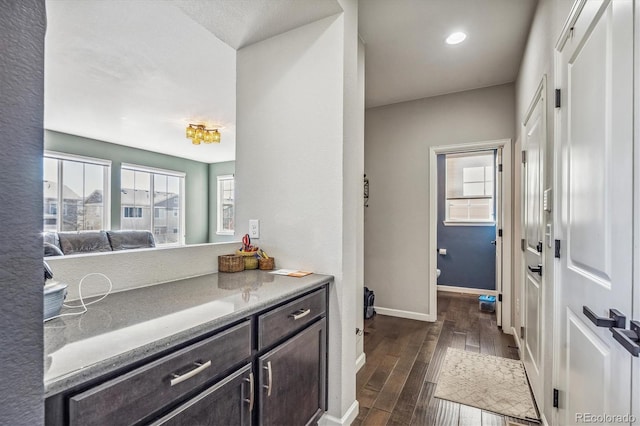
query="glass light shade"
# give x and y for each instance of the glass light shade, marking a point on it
(215, 136)
(208, 136)
(199, 133)
(195, 141)
(191, 131)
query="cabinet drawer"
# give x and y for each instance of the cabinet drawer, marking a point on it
(280, 322)
(228, 402)
(131, 397)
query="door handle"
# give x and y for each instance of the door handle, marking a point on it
(493, 242)
(251, 390)
(537, 269)
(269, 378)
(616, 318)
(629, 338)
(539, 247)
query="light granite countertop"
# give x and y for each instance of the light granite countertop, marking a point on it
(131, 325)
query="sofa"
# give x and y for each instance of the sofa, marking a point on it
(64, 243)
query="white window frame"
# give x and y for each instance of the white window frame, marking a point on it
(106, 195)
(219, 180)
(470, 222)
(154, 170)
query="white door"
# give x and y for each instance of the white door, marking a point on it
(533, 224)
(596, 209)
(498, 236)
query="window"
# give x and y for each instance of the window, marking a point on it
(132, 212)
(225, 204)
(78, 185)
(470, 187)
(143, 189)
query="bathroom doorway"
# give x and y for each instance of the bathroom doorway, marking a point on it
(470, 220)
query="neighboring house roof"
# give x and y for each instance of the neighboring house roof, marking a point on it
(50, 190)
(94, 198)
(140, 197)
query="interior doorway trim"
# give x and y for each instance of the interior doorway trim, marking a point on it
(503, 277)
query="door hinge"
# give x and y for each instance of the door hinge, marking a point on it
(500, 297)
(524, 157)
(522, 332)
(523, 244)
(557, 252)
(556, 395)
(558, 97)
(499, 232)
(499, 167)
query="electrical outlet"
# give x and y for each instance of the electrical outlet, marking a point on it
(254, 228)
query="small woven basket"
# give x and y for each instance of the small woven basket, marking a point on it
(230, 263)
(267, 264)
(250, 260)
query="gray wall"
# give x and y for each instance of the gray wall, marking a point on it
(397, 141)
(471, 258)
(196, 182)
(22, 28)
(215, 170)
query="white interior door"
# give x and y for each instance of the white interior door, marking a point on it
(596, 209)
(533, 228)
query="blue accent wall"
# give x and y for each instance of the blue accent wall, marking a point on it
(471, 258)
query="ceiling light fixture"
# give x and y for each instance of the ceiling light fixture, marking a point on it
(455, 38)
(198, 134)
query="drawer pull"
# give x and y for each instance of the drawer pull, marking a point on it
(250, 399)
(200, 367)
(300, 314)
(269, 378)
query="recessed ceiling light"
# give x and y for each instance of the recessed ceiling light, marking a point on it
(455, 38)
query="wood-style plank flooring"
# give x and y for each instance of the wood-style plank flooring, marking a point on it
(396, 385)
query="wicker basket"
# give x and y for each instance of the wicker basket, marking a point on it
(250, 260)
(230, 263)
(267, 264)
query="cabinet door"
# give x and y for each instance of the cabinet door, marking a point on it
(292, 379)
(228, 402)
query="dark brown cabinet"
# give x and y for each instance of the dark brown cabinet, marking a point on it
(229, 402)
(292, 379)
(269, 368)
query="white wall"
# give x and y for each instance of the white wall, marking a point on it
(360, 221)
(538, 60)
(397, 141)
(295, 133)
(129, 269)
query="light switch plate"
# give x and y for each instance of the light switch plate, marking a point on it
(254, 228)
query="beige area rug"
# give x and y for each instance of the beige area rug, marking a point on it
(487, 382)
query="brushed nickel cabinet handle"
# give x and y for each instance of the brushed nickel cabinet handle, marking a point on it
(269, 378)
(200, 367)
(300, 314)
(250, 399)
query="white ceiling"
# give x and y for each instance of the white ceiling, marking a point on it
(407, 58)
(137, 72)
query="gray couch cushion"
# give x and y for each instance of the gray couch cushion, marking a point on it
(51, 250)
(125, 240)
(83, 242)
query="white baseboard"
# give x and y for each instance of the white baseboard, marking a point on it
(516, 337)
(466, 290)
(405, 314)
(345, 420)
(361, 361)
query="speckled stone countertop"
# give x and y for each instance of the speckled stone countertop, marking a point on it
(131, 325)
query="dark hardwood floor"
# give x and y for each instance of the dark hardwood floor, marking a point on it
(396, 385)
